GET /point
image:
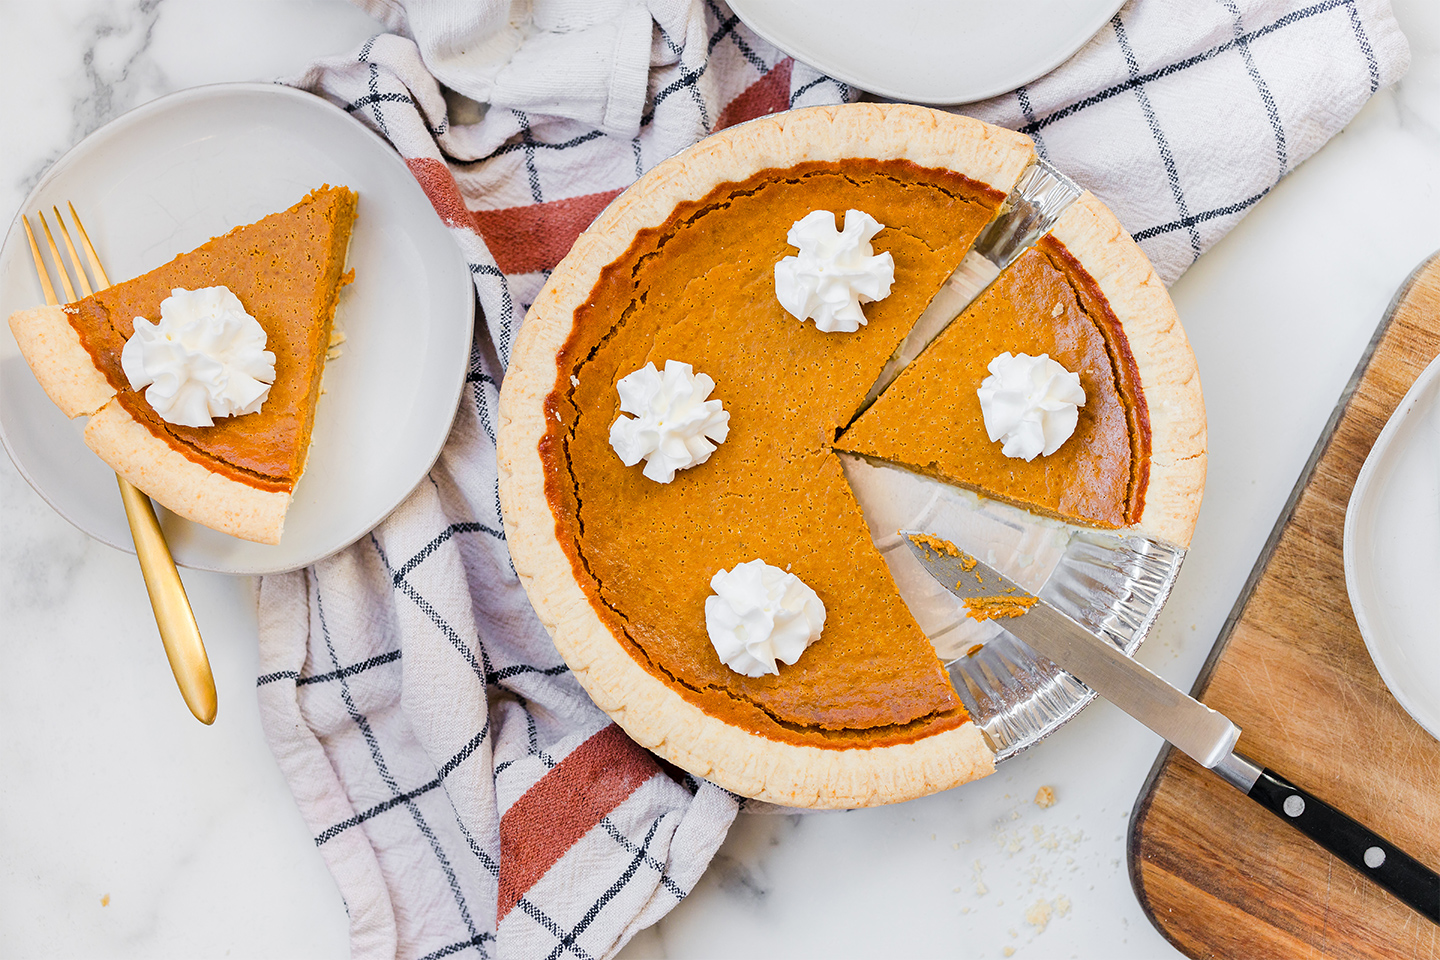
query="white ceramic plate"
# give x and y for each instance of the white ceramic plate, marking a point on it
(175, 172)
(1392, 551)
(929, 51)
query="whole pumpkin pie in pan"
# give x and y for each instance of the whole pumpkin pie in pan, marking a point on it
(238, 475)
(681, 267)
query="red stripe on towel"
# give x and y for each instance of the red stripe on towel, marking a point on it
(769, 94)
(439, 185)
(563, 806)
(522, 239)
(537, 236)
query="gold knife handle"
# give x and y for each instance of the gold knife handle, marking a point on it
(178, 630)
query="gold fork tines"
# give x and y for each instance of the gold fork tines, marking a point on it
(59, 264)
(80, 278)
(101, 281)
(178, 630)
(45, 284)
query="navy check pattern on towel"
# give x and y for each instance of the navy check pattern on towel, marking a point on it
(1183, 115)
(466, 794)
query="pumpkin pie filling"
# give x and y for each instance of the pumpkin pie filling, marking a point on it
(930, 421)
(700, 289)
(286, 269)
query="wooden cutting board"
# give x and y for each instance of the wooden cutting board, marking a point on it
(1217, 874)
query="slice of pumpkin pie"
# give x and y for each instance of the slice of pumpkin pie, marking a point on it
(1085, 297)
(281, 278)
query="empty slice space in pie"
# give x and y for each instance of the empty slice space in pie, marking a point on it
(238, 475)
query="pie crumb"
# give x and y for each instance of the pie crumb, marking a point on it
(1038, 916)
(1059, 309)
(105, 900)
(975, 649)
(1009, 951)
(1045, 797)
(992, 608)
(944, 547)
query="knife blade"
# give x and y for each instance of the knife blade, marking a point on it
(1207, 736)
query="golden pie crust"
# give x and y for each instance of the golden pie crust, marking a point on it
(237, 476)
(567, 501)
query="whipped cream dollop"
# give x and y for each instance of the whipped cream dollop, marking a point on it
(674, 425)
(1031, 403)
(760, 614)
(206, 358)
(835, 271)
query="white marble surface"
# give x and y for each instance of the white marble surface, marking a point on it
(127, 829)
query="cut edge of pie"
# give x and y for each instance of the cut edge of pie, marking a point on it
(652, 713)
(74, 380)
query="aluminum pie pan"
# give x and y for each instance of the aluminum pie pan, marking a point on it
(1115, 583)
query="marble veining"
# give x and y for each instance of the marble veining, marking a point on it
(127, 829)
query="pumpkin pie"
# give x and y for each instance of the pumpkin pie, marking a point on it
(681, 267)
(238, 475)
(1085, 295)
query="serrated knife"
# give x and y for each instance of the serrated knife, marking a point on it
(1205, 735)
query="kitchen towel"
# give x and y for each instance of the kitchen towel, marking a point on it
(1182, 114)
(464, 791)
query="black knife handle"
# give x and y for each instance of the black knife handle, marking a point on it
(1359, 846)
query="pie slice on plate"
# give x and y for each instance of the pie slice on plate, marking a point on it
(682, 267)
(238, 475)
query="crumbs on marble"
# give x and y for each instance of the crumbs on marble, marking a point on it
(1038, 916)
(1045, 797)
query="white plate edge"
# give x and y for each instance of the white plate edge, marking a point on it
(949, 98)
(1379, 452)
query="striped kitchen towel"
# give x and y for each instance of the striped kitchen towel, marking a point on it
(466, 794)
(464, 791)
(1182, 114)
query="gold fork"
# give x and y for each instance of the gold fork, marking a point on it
(178, 630)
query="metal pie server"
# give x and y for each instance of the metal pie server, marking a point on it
(1207, 736)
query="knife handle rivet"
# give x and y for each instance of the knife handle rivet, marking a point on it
(1374, 857)
(1294, 805)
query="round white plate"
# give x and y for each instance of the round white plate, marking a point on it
(175, 172)
(929, 51)
(1392, 551)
